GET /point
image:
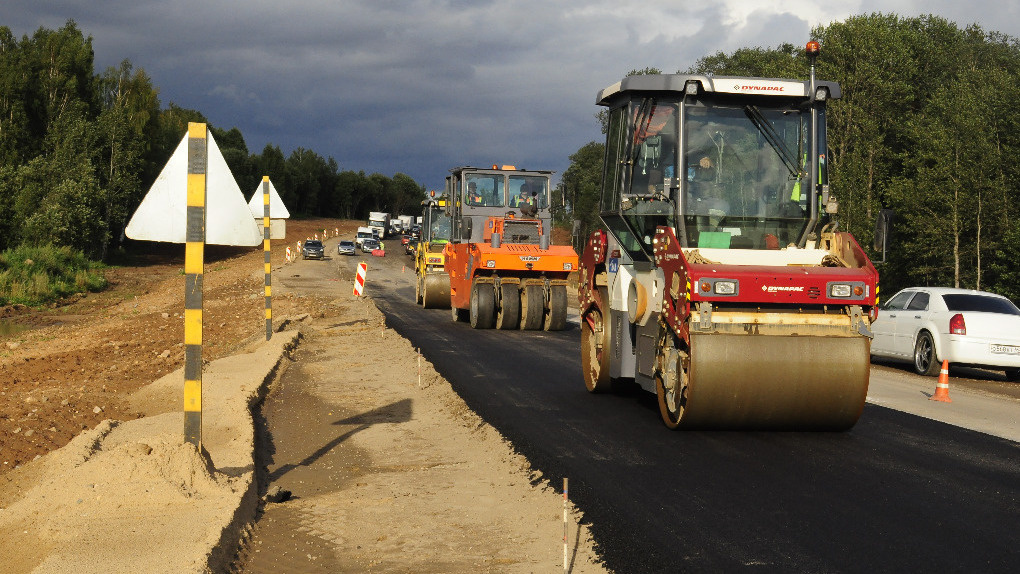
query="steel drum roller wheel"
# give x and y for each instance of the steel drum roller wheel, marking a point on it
(532, 307)
(556, 315)
(775, 382)
(483, 306)
(595, 349)
(509, 314)
(435, 290)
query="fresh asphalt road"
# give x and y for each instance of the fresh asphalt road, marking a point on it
(896, 493)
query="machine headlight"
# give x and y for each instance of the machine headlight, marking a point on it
(567, 266)
(725, 287)
(490, 264)
(839, 290)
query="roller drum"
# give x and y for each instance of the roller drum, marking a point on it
(436, 293)
(776, 382)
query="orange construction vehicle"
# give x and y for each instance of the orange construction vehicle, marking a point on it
(503, 270)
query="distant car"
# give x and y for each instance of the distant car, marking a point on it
(926, 325)
(370, 245)
(405, 238)
(411, 245)
(313, 249)
(346, 247)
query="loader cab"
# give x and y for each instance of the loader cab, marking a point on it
(725, 162)
(501, 192)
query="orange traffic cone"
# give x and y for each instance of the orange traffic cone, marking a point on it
(942, 387)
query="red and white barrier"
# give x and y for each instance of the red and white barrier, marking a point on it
(289, 255)
(359, 280)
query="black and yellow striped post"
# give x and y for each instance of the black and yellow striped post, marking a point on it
(265, 245)
(194, 267)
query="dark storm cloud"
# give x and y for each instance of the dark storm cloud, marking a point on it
(421, 86)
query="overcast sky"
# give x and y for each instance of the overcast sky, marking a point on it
(422, 86)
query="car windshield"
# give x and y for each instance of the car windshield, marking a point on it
(313, 243)
(983, 303)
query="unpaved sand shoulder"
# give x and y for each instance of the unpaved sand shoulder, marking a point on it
(392, 472)
(133, 496)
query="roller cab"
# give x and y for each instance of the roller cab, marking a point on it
(721, 282)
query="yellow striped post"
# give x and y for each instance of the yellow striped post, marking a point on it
(265, 244)
(194, 267)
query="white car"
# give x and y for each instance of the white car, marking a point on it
(926, 325)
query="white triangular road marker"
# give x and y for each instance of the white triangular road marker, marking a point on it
(277, 210)
(162, 215)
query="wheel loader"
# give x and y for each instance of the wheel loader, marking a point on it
(721, 281)
(504, 272)
(432, 288)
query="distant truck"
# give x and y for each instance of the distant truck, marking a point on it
(380, 221)
(406, 221)
(363, 234)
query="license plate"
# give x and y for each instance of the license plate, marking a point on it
(1005, 349)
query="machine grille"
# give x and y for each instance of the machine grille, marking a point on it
(520, 232)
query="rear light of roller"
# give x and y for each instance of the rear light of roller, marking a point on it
(957, 326)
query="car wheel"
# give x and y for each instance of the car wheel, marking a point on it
(925, 361)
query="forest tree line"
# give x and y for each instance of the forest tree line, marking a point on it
(80, 149)
(928, 125)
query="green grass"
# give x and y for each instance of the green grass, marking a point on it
(38, 275)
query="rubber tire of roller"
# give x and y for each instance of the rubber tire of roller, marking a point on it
(556, 315)
(532, 308)
(482, 312)
(456, 314)
(509, 314)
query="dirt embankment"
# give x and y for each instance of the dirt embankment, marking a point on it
(76, 363)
